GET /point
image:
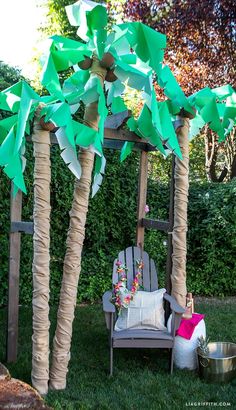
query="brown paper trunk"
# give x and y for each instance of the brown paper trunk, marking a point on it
(41, 241)
(74, 246)
(178, 276)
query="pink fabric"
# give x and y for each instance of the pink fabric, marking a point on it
(187, 326)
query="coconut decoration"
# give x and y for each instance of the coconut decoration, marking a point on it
(48, 125)
(86, 63)
(110, 76)
(107, 60)
(187, 114)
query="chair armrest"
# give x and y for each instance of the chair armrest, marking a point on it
(173, 304)
(108, 307)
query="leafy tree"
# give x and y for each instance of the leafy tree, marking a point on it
(8, 76)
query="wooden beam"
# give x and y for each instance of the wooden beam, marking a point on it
(13, 280)
(115, 136)
(138, 146)
(25, 227)
(123, 135)
(142, 197)
(155, 224)
(117, 120)
(113, 132)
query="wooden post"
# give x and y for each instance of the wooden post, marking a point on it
(13, 281)
(142, 197)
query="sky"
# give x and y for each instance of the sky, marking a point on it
(19, 20)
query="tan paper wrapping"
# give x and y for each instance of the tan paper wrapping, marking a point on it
(41, 241)
(178, 276)
(72, 261)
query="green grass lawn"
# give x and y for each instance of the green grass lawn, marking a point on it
(141, 378)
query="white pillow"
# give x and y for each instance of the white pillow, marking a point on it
(144, 312)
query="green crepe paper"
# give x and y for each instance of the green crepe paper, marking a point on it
(99, 169)
(152, 104)
(117, 42)
(60, 115)
(221, 116)
(91, 19)
(155, 124)
(10, 98)
(102, 111)
(80, 14)
(12, 162)
(66, 52)
(126, 150)
(223, 92)
(90, 94)
(144, 128)
(76, 14)
(138, 78)
(168, 131)
(173, 91)
(229, 117)
(142, 40)
(227, 110)
(68, 154)
(6, 125)
(196, 125)
(129, 59)
(50, 79)
(23, 99)
(147, 130)
(100, 42)
(97, 20)
(205, 102)
(84, 135)
(73, 87)
(114, 89)
(118, 105)
(132, 124)
(28, 96)
(63, 54)
(7, 147)
(94, 92)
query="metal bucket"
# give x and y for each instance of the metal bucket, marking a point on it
(219, 365)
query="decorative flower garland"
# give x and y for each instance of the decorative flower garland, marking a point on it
(121, 296)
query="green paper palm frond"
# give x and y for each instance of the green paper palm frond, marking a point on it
(137, 52)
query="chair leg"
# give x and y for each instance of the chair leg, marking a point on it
(111, 360)
(171, 360)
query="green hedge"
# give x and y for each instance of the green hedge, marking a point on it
(111, 227)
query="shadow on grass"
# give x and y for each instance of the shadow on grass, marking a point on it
(141, 379)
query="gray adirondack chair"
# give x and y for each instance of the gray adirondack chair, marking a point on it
(140, 338)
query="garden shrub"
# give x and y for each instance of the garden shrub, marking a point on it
(111, 226)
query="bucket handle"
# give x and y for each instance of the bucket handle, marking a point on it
(206, 363)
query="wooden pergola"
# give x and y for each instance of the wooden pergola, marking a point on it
(115, 136)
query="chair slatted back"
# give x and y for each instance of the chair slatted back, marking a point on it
(128, 257)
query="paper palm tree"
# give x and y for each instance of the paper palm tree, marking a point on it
(103, 64)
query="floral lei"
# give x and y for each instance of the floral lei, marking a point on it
(121, 296)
